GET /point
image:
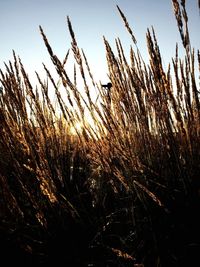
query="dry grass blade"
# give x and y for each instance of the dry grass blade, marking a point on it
(127, 25)
(122, 254)
(182, 22)
(149, 193)
(83, 172)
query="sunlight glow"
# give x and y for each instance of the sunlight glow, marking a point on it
(76, 128)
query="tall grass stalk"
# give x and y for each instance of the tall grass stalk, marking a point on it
(126, 184)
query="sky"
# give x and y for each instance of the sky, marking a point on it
(91, 20)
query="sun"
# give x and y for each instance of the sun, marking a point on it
(89, 126)
(76, 128)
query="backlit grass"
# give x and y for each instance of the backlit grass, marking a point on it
(110, 180)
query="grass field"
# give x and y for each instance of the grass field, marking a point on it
(121, 188)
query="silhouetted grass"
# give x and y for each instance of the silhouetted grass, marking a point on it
(124, 189)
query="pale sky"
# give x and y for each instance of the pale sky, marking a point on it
(91, 19)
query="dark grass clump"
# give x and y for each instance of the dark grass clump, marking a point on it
(111, 180)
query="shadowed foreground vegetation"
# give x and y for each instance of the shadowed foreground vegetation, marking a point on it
(123, 190)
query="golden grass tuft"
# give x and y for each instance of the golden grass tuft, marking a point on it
(126, 179)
